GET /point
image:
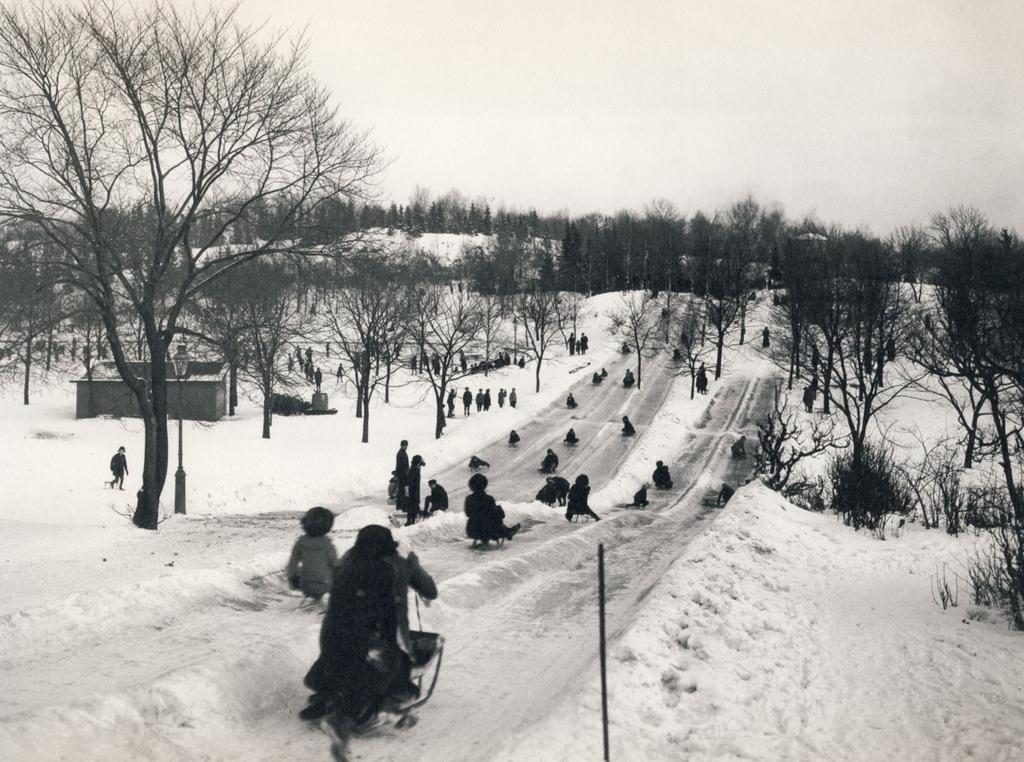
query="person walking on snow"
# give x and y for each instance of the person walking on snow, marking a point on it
(570, 344)
(584, 343)
(467, 400)
(487, 400)
(118, 469)
(479, 400)
(512, 399)
(502, 394)
(765, 338)
(402, 464)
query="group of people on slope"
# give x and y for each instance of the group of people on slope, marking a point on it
(482, 400)
(577, 346)
(404, 487)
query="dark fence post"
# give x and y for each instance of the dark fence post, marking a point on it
(604, 676)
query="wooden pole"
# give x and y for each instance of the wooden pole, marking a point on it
(604, 675)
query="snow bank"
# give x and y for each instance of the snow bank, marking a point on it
(781, 634)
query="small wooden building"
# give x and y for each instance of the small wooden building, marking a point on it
(202, 394)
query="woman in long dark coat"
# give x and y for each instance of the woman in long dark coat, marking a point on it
(412, 490)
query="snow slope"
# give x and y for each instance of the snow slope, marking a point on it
(781, 634)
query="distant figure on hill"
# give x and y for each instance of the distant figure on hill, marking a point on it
(584, 343)
(476, 463)
(604, 373)
(702, 380)
(628, 380)
(467, 401)
(596, 378)
(311, 565)
(550, 463)
(739, 447)
(502, 394)
(512, 398)
(640, 498)
(118, 468)
(661, 477)
(765, 338)
(570, 402)
(726, 492)
(571, 439)
(513, 439)
(318, 378)
(627, 427)
(809, 398)
(451, 403)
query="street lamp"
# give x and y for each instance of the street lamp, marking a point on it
(180, 361)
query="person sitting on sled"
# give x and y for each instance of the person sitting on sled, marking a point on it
(550, 462)
(570, 402)
(726, 492)
(513, 439)
(739, 447)
(640, 498)
(311, 565)
(661, 477)
(571, 438)
(628, 380)
(485, 519)
(596, 378)
(627, 427)
(365, 643)
(476, 463)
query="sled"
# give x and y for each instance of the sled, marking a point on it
(486, 544)
(427, 650)
(710, 499)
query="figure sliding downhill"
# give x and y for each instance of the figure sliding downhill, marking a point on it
(627, 427)
(578, 495)
(550, 463)
(485, 519)
(370, 661)
(596, 378)
(739, 448)
(628, 380)
(555, 490)
(571, 439)
(661, 477)
(513, 439)
(639, 498)
(476, 463)
(570, 402)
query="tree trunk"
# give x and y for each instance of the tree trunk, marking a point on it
(693, 382)
(366, 415)
(268, 396)
(972, 435)
(232, 386)
(720, 344)
(639, 368)
(152, 401)
(439, 420)
(28, 368)
(49, 349)
(827, 381)
(743, 320)
(536, 376)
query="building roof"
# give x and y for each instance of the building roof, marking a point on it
(199, 371)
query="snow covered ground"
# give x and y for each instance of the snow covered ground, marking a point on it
(758, 631)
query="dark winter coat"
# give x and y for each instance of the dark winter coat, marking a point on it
(437, 500)
(547, 494)
(467, 398)
(512, 399)
(584, 343)
(578, 495)
(627, 429)
(661, 477)
(119, 465)
(401, 465)
(550, 463)
(640, 498)
(484, 518)
(311, 565)
(408, 574)
(412, 487)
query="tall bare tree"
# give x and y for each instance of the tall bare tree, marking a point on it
(539, 313)
(637, 321)
(132, 138)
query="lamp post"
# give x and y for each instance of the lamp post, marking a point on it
(180, 361)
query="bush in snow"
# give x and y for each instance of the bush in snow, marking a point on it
(997, 574)
(869, 490)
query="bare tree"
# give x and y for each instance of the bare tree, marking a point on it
(271, 321)
(637, 320)
(364, 313)
(693, 337)
(490, 313)
(132, 138)
(539, 313)
(445, 324)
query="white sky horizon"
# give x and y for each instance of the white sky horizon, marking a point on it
(872, 114)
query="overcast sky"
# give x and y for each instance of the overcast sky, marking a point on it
(873, 112)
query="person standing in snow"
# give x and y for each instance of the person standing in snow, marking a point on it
(467, 401)
(451, 403)
(512, 399)
(402, 464)
(462, 360)
(311, 565)
(118, 468)
(501, 396)
(570, 344)
(487, 400)
(318, 379)
(341, 370)
(479, 400)
(702, 380)
(765, 338)
(412, 490)
(584, 343)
